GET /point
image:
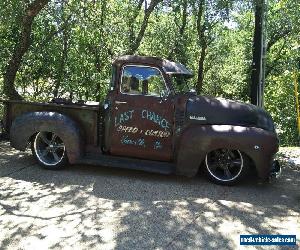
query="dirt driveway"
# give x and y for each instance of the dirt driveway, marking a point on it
(85, 207)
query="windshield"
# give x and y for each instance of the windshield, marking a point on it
(181, 84)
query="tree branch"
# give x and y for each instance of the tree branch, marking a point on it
(21, 48)
(134, 45)
(271, 67)
(56, 32)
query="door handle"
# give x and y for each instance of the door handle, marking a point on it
(118, 102)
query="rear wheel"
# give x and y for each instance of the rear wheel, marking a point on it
(49, 150)
(226, 166)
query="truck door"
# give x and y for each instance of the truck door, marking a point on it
(142, 115)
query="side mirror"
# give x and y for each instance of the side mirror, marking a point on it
(163, 95)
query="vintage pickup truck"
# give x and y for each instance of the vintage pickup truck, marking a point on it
(150, 121)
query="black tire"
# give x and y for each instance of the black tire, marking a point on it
(226, 166)
(49, 150)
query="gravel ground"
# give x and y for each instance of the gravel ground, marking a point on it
(85, 207)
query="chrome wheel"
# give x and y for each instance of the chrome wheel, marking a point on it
(49, 148)
(224, 165)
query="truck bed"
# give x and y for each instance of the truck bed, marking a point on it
(89, 117)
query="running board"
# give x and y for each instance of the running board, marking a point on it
(129, 163)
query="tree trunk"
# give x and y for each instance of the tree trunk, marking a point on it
(201, 28)
(96, 50)
(135, 41)
(179, 51)
(63, 60)
(20, 49)
(99, 66)
(200, 78)
(132, 21)
(257, 84)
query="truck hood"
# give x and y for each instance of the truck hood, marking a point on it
(218, 111)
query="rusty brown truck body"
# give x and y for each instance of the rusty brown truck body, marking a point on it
(149, 121)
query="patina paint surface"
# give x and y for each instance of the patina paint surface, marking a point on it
(28, 124)
(86, 117)
(196, 141)
(142, 127)
(178, 130)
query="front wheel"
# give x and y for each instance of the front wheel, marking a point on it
(226, 166)
(49, 150)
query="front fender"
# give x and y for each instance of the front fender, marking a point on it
(196, 141)
(26, 125)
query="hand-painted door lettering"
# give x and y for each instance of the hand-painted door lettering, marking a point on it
(152, 116)
(124, 117)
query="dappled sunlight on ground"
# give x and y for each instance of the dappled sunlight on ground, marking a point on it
(83, 207)
(290, 156)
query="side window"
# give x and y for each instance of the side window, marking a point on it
(142, 80)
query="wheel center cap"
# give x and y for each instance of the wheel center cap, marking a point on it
(51, 146)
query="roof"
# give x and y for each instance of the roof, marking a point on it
(169, 67)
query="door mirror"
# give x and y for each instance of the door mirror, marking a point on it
(163, 95)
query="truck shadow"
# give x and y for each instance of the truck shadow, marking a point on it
(92, 207)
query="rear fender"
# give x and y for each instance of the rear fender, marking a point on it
(27, 125)
(196, 141)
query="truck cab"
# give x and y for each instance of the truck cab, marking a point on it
(141, 108)
(150, 120)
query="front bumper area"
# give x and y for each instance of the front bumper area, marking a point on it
(275, 170)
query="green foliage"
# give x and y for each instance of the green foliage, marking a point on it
(74, 43)
(280, 102)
